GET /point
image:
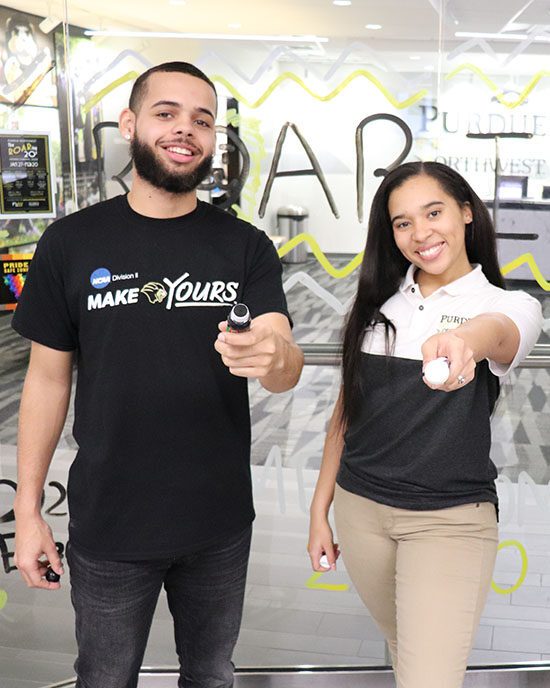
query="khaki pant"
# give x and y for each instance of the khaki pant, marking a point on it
(424, 576)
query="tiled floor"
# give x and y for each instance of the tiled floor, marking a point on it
(289, 619)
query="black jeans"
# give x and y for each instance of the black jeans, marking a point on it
(114, 604)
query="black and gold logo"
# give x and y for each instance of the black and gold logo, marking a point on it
(154, 291)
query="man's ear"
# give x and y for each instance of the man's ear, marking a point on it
(127, 124)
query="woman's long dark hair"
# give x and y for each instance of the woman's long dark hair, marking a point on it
(384, 266)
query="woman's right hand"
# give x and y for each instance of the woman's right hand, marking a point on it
(321, 541)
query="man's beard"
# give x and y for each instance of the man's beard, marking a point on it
(150, 168)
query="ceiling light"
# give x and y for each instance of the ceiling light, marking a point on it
(116, 33)
(177, 2)
(341, 3)
(373, 27)
(234, 25)
(502, 36)
(414, 57)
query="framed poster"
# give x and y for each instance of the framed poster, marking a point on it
(26, 60)
(26, 182)
(13, 272)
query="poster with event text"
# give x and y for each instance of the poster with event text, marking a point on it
(26, 182)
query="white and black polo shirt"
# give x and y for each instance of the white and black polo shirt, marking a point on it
(413, 447)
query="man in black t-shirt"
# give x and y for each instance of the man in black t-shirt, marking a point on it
(137, 289)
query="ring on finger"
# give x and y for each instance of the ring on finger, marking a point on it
(461, 379)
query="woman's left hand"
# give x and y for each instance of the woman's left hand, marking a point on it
(459, 355)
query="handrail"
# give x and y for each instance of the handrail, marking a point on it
(341, 675)
(330, 354)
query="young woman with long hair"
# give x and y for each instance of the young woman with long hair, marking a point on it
(407, 461)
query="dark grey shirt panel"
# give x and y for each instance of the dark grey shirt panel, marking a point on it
(415, 448)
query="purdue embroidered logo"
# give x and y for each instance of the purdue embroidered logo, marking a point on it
(154, 291)
(450, 322)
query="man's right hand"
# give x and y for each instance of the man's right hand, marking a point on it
(44, 403)
(35, 550)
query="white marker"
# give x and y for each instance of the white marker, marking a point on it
(437, 371)
(323, 561)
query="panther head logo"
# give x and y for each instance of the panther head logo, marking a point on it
(154, 291)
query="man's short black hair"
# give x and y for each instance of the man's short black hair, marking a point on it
(140, 86)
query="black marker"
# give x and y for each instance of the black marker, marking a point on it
(239, 318)
(51, 576)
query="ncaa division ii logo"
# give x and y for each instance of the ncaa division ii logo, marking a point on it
(100, 278)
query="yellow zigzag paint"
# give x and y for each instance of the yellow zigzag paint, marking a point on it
(94, 100)
(318, 253)
(496, 89)
(283, 77)
(359, 72)
(535, 271)
(356, 261)
(294, 77)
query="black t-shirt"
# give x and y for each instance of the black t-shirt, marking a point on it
(163, 427)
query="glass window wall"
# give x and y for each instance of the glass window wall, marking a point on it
(316, 101)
